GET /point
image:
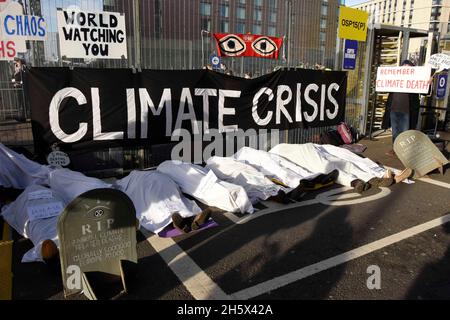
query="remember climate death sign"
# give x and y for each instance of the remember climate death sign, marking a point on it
(84, 107)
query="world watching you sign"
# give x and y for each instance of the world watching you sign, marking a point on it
(92, 35)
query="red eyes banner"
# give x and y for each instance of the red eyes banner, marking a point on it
(248, 45)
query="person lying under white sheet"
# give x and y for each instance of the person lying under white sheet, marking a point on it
(255, 183)
(18, 172)
(23, 215)
(275, 167)
(159, 202)
(203, 185)
(354, 171)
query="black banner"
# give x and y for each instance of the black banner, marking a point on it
(82, 108)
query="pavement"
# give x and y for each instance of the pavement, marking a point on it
(389, 244)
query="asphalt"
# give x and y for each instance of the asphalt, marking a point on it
(236, 257)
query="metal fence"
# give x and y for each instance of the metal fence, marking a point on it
(177, 34)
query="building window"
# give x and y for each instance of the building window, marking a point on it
(257, 15)
(257, 29)
(323, 23)
(240, 13)
(324, 10)
(323, 37)
(224, 26)
(272, 31)
(224, 10)
(273, 17)
(240, 27)
(206, 24)
(205, 9)
(258, 3)
(273, 4)
(242, 1)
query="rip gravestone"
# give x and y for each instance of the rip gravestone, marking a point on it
(97, 233)
(416, 151)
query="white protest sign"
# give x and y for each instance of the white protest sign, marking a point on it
(403, 79)
(45, 210)
(92, 35)
(58, 158)
(41, 194)
(439, 61)
(10, 46)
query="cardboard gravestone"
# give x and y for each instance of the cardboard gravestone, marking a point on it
(416, 151)
(97, 233)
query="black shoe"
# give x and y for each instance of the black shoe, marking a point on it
(281, 197)
(180, 223)
(201, 219)
(381, 182)
(330, 177)
(360, 186)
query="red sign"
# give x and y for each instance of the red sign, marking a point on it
(248, 45)
(7, 50)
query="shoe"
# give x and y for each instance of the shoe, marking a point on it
(360, 186)
(388, 174)
(180, 223)
(281, 197)
(201, 219)
(330, 177)
(49, 252)
(402, 176)
(381, 182)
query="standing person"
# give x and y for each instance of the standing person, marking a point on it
(17, 80)
(402, 112)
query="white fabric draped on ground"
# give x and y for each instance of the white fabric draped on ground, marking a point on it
(16, 171)
(203, 185)
(17, 216)
(71, 184)
(326, 158)
(255, 183)
(274, 166)
(156, 197)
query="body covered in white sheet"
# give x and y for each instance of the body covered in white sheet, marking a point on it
(204, 186)
(156, 197)
(18, 172)
(71, 184)
(34, 215)
(275, 167)
(325, 158)
(255, 183)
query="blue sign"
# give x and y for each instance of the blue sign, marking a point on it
(215, 61)
(441, 86)
(350, 52)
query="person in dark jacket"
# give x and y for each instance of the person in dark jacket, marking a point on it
(402, 111)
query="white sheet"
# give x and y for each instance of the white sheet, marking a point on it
(274, 166)
(71, 184)
(205, 187)
(156, 197)
(16, 171)
(255, 183)
(16, 214)
(325, 158)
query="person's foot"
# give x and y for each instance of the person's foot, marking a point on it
(281, 197)
(180, 223)
(360, 186)
(201, 219)
(330, 177)
(388, 174)
(402, 176)
(381, 182)
(50, 252)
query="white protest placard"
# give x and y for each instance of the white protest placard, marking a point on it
(44, 210)
(10, 46)
(92, 35)
(403, 79)
(41, 194)
(439, 61)
(58, 158)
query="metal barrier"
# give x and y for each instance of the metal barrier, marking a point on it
(177, 34)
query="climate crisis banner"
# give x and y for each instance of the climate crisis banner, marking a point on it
(84, 107)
